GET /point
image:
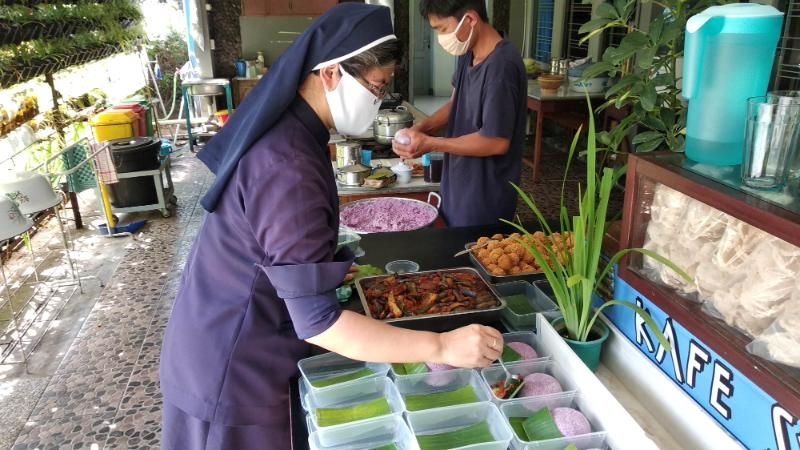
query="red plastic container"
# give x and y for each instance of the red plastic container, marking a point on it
(140, 124)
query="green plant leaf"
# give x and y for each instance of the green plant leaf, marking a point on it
(648, 97)
(596, 69)
(649, 146)
(625, 83)
(607, 11)
(656, 28)
(654, 123)
(634, 40)
(593, 25)
(647, 136)
(648, 320)
(604, 137)
(645, 58)
(574, 280)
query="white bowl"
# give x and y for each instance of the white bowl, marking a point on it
(12, 221)
(592, 85)
(31, 191)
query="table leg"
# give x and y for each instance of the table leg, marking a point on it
(537, 145)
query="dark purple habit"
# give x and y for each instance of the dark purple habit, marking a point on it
(490, 99)
(261, 275)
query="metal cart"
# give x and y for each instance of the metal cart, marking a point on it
(165, 192)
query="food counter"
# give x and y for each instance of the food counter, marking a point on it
(433, 249)
(734, 333)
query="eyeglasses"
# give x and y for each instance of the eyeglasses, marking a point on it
(377, 91)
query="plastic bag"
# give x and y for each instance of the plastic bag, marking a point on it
(754, 302)
(703, 222)
(736, 244)
(780, 342)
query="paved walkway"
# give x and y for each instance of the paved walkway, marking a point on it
(103, 391)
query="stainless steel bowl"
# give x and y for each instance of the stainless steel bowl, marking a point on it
(353, 175)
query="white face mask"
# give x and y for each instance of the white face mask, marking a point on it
(362, 106)
(450, 42)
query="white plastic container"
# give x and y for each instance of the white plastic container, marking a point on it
(354, 394)
(443, 420)
(443, 381)
(526, 337)
(366, 434)
(330, 365)
(526, 407)
(494, 374)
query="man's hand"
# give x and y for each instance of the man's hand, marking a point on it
(418, 144)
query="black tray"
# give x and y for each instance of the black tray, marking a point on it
(440, 322)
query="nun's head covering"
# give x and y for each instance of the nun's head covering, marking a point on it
(341, 33)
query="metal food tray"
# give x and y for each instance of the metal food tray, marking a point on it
(494, 279)
(439, 322)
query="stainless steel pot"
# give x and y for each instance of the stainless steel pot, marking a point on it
(348, 153)
(353, 175)
(390, 121)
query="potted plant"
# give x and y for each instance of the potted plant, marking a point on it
(574, 277)
(648, 64)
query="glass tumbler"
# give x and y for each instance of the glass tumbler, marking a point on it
(771, 137)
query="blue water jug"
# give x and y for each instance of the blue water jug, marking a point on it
(728, 57)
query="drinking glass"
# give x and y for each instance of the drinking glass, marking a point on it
(771, 136)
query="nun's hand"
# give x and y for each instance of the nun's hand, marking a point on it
(471, 346)
(413, 144)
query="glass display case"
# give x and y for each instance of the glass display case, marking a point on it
(741, 247)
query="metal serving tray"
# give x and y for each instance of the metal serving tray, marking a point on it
(493, 279)
(439, 322)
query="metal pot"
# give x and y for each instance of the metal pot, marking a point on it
(348, 153)
(353, 175)
(390, 121)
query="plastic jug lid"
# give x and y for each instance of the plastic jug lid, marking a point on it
(741, 11)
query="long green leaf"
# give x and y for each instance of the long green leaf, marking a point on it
(649, 253)
(648, 320)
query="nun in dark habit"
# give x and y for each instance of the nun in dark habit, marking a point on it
(258, 286)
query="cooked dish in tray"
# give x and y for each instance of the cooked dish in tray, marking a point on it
(436, 292)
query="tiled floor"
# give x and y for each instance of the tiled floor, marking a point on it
(93, 381)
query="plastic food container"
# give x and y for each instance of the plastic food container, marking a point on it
(351, 395)
(442, 381)
(401, 266)
(525, 407)
(330, 365)
(444, 420)
(537, 300)
(494, 374)
(526, 337)
(348, 239)
(373, 433)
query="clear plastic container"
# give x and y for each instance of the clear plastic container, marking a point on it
(367, 434)
(401, 266)
(526, 337)
(494, 374)
(321, 367)
(442, 381)
(348, 239)
(443, 420)
(537, 298)
(355, 394)
(525, 407)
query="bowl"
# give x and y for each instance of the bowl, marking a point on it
(31, 191)
(550, 82)
(403, 173)
(401, 266)
(592, 85)
(12, 221)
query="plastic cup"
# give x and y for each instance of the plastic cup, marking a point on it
(366, 156)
